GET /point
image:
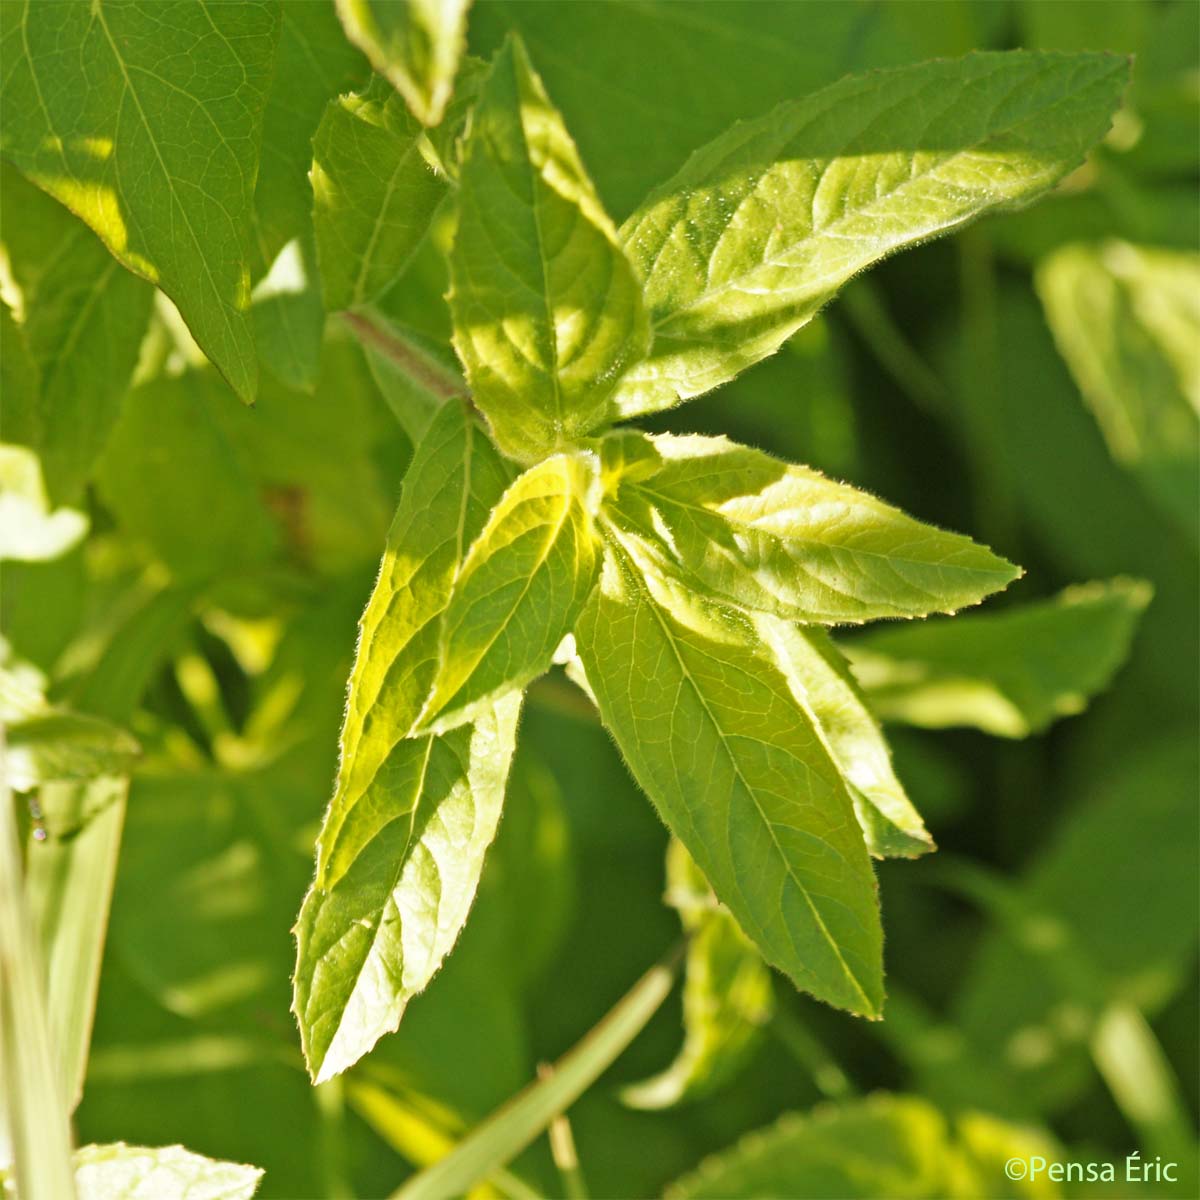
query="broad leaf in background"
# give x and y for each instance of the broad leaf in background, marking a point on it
(1127, 321)
(145, 122)
(374, 194)
(767, 535)
(1009, 673)
(121, 1172)
(288, 316)
(821, 681)
(547, 310)
(416, 45)
(726, 994)
(714, 735)
(882, 1146)
(763, 225)
(518, 590)
(395, 880)
(83, 318)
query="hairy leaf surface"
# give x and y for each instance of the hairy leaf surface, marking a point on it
(713, 733)
(396, 874)
(768, 535)
(144, 120)
(763, 225)
(374, 194)
(726, 994)
(121, 1172)
(1011, 673)
(1127, 320)
(519, 589)
(821, 681)
(83, 319)
(417, 45)
(547, 309)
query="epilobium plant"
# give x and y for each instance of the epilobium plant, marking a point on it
(688, 583)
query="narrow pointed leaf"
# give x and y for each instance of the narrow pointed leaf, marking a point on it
(1127, 320)
(148, 128)
(764, 224)
(416, 45)
(1011, 673)
(374, 194)
(711, 731)
(822, 682)
(396, 877)
(726, 994)
(519, 589)
(547, 310)
(783, 539)
(121, 1172)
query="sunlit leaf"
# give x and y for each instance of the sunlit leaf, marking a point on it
(1009, 673)
(121, 1172)
(763, 225)
(714, 735)
(148, 128)
(547, 309)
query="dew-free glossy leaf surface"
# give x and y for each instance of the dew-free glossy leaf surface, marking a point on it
(822, 682)
(712, 732)
(83, 320)
(519, 589)
(780, 538)
(374, 194)
(547, 310)
(1011, 673)
(416, 45)
(1127, 321)
(144, 119)
(727, 994)
(763, 225)
(396, 875)
(121, 1172)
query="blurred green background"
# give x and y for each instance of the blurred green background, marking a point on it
(1041, 966)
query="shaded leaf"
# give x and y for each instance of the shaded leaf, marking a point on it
(763, 225)
(547, 310)
(726, 994)
(1127, 320)
(145, 122)
(289, 317)
(417, 45)
(712, 732)
(1008, 673)
(374, 195)
(768, 535)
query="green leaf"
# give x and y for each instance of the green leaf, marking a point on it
(881, 1146)
(767, 535)
(397, 870)
(417, 45)
(821, 681)
(83, 319)
(374, 195)
(726, 994)
(712, 732)
(518, 591)
(1009, 673)
(289, 318)
(1127, 321)
(547, 310)
(30, 530)
(149, 129)
(761, 227)
(55, 745)
(121, 1172)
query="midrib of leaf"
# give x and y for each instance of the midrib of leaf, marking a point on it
(781, 542)
(631, 573)
(377, 224)
(810, 284)
(98, 11)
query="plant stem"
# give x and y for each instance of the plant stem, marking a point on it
(829, 1078)
(562, 1149)
(516, 1123)
(420, 368)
